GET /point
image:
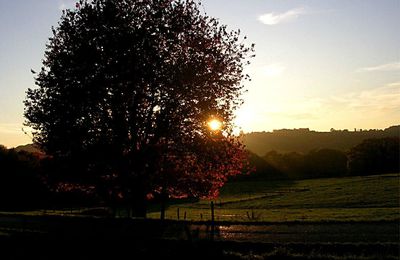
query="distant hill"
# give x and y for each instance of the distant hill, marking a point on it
(304, 140)
(28, 148)
(296, 140)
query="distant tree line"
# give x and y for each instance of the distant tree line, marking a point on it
(315, 164)
(372, 156)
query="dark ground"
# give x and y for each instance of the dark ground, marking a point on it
(56, 248)
(55, 237)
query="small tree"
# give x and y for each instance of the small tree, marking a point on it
(125, 93)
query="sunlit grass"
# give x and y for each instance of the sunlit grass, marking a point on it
(370, 198)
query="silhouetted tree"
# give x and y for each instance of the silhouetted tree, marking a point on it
(375, 156)
(125, 92)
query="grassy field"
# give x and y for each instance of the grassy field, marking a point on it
(369, 198)
(338, 218)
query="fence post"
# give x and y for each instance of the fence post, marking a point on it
(212, 221)
(177, 213)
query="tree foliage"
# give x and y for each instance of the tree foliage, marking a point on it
(323, 163)
(375, 156)
(125, 92)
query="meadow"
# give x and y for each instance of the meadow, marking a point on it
(361, 198)
(347, 199)
(337, 218)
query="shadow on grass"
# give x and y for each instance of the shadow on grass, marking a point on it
(155, 206)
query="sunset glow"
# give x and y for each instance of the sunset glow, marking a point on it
(214, 124)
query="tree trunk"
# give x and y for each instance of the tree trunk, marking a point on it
(164, 198)
(139, 208)
(139, 205)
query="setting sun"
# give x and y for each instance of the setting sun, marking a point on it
(214, 124)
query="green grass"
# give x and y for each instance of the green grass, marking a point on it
(369, 198)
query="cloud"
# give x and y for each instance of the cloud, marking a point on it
(294, 108)
(9, 128)
(66, 4)
(369, 109)
(15, 128)
(277, 18)
(380, 102)
(62, 6)
(294, 116)
(383, 99)
(273, 70)
(11, 134)
(394, 84)
(393, 66)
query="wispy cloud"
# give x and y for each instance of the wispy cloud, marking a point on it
(372, 103)
(382, 99)
(9, 128)
(62, 6)
(393, 66)
(368, 108)
(294, 116)
(12, 134)
(273, 70)
(277, 18)
(294, 108)
(394, 84)
(66, 4)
